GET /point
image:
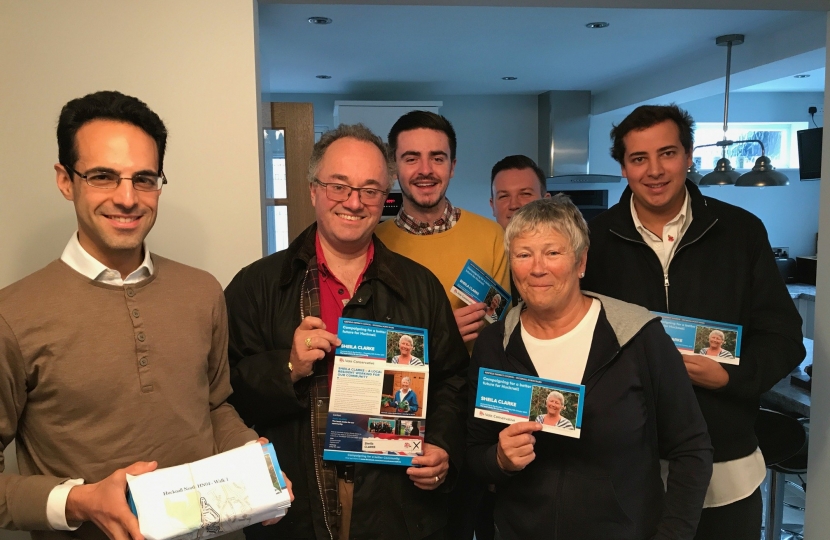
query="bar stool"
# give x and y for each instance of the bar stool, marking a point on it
(783, 441)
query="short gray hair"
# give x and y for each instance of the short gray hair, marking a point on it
(406, 337)
(353, 131)
(556, 213)
(717, 333)
(557, 395)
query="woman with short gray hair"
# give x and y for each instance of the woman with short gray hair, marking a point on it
(638, 404)
(555, 404)
(405, 346)
(716, 339)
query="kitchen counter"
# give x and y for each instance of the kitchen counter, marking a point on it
(786, 397)
(802, 290)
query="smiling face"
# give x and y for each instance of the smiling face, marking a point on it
(405, 346)
(554, 405)
(655, 164)
(112, 223)
(715, 341)
(424, 167)
(405, 384)
(512, 189)
(346, 227)
(546, 270)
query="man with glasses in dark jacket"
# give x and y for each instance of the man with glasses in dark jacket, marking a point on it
(283, 313)
(667, 247)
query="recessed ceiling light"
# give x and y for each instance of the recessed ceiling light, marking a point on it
(324, 76)
(598, 24)
(319, 20)
(802, 76)
(509, 78)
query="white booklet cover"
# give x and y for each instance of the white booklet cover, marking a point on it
(209, 497)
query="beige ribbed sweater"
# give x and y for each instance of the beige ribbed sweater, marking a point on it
(94, 377)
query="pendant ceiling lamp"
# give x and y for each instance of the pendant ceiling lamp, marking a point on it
(763, 173)
(693, 174)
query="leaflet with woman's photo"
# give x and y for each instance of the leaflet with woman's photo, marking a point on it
(717, 340)
(475, 285)
(378, 403)
(509, 398)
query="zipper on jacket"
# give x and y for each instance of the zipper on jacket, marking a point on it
(690, 242)
(315, 451)
(666, 273)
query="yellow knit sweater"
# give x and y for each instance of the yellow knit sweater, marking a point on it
(472, 237)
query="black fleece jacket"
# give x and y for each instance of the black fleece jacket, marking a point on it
(606, 485)
(723, 270)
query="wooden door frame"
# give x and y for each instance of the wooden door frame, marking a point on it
(297, 119)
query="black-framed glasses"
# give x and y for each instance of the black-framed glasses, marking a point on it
(341, 192)
(110, 180)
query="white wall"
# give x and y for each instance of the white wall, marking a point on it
(487, 127)
(790, 213)
(817, 519)
(193, 62)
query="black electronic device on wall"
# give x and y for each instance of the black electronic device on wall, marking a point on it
(809, 153)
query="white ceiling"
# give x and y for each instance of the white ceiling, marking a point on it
(433, 50)
(813, 83)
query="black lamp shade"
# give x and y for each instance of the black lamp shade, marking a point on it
(693, 175)
(723, 175)
(763, 174)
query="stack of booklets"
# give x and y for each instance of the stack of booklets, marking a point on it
(209, 497)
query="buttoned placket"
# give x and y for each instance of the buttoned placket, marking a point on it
(142, 346)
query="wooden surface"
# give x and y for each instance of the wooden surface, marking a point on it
(297, 119)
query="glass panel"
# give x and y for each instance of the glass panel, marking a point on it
(779, 140)
(277, 223)
(274, 144)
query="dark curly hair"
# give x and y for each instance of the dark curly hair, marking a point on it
(646, 116)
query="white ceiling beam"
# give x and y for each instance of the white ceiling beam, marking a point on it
(776, 5)
(787, 51)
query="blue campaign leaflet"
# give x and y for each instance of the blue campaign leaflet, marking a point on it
(717, 340)
(475, 285)
(510, 397)
(378, 403)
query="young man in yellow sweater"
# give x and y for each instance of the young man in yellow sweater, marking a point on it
(429, 229)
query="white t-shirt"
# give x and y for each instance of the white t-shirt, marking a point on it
(564, 358)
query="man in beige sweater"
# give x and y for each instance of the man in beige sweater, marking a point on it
(113, 361)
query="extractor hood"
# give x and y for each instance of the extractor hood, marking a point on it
(564, 122)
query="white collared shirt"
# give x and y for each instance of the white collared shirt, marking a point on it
(77, 258)
(665, 246)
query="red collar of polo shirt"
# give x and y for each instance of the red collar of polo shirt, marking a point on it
(334, 295)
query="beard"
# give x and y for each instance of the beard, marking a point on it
(424, 204)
